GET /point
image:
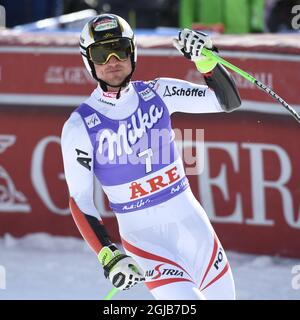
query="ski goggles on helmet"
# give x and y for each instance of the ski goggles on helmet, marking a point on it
(101, 52)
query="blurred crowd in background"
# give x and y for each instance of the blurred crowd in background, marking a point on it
(223, 16)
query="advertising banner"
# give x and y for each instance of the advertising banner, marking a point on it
(249, 185)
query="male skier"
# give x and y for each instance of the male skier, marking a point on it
(168, 239)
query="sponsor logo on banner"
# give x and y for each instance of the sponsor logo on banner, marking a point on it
(194, 76)
(175, 91)
(11, 200)
(264, 77)
(67, 75)
(92, 120)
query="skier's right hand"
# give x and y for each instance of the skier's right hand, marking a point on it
(120, 269)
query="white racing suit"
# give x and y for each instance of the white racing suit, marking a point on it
(162, 225)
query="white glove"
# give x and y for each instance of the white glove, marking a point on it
(190, 43)
(120, 269)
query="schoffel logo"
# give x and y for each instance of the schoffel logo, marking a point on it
(2, 278)
(296, 19)
(296, 278)
(2, 16)
(174, 91)
(157, 272)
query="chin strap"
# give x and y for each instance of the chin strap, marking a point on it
(123, 84)
(119, 93)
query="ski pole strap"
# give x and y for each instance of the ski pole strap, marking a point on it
(108, 267)
(211, 54)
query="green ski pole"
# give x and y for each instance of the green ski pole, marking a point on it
(247, 76)
(111, 293)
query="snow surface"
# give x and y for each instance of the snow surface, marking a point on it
(40, 266)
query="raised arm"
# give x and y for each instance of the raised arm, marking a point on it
(190, 44)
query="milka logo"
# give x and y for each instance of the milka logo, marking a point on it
(129, 133)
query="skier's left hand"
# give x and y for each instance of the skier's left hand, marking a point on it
(190, 43)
